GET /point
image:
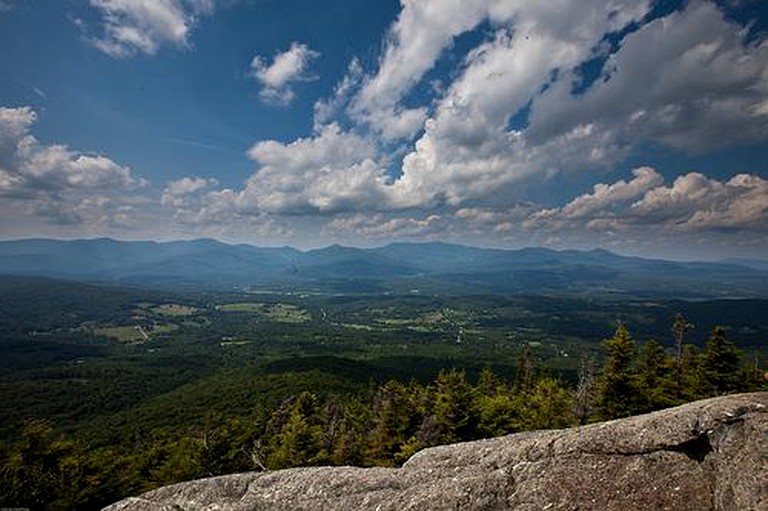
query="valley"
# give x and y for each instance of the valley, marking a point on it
(102, 349)
(128, 384)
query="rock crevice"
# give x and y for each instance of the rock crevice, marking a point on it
(710, 454)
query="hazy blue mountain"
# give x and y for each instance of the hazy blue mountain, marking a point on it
(337, 261)
(399, 267)
(756, 264)
(204, 262)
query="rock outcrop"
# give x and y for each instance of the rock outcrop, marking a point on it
(710, 454)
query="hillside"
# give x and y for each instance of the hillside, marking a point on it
(426, 268)
(706, 455)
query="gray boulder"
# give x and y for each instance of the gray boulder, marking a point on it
(710, 454)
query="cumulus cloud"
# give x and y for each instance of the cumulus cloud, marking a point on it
(327, 109)
(176, 192)
(468, 151)
(695, 202)
(482, 221)
(602, 201)
(331, 172)
(379, 226)
(469, 161)
(692, 203)
(423, 29)
(130, 27)
(28, 165)
(286, 68)
(51, 180)
(513, 113)
(689, 81)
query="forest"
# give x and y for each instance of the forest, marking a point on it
(112, 391)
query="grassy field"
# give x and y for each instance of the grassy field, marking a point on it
(174, 310)
(256, 308)
(134, 333)
(277, 312)
(126, 334)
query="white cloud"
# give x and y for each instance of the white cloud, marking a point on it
(688, 81)
(481, 221)
(604, 198)
(286, 68)
(468, 156)
(379, 226)
(176, 192)
(10, 182)
(331, 172)
(14, 124)
(693, 203)
(423, 29)
(468, 151)
(327, 109)
(143, 26)
(34, 166)
(51, 180)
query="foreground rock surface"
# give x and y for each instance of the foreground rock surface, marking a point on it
(710, 454)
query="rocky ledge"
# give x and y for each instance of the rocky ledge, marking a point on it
(710, 454)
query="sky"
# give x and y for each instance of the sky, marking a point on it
(637, 126)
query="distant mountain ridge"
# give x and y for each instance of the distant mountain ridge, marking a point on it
(398, 267)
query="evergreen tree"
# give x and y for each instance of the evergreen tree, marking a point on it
(547, 406)
(691, 382)
(499, 414)
(452, 407)
(349, 447)
(299, 441)
(47, 472)
(394, 421)
(487, 383)
(656, 378)
(496, 406)
(618, 392)
(721, 364)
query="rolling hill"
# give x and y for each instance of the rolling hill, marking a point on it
(394, 268)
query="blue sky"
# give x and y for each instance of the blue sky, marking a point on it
(632, 125)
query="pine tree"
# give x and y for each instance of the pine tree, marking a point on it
(618, 393)
(690, 383)
(452, 407)
(548, 406)
(721, 364)
(299, 441)
(656, 377)
(394, 420)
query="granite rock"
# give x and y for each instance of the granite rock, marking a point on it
(710, 454)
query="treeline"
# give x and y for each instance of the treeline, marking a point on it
(384, 426)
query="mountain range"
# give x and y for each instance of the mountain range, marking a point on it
(394, 268)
